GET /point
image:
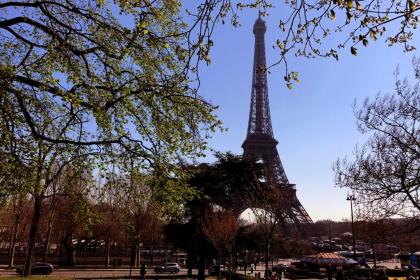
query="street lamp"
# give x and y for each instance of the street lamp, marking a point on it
(352, 198)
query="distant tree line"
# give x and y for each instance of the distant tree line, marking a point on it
(113, 214)
(116, 216)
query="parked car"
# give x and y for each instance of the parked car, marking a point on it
(279, 267)
(38, 268)
(171, 267)
(214, 269)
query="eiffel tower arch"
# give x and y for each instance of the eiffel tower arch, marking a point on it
(260, 143)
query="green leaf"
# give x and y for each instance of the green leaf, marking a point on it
(412, 6)
(365, 42)
(143, 24)
(332, 15)
(353, 51)
(372, 34)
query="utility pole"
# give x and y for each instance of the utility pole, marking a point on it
(352, 198)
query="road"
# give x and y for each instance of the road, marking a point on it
(121, 272)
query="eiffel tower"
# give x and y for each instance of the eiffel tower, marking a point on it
(260, 143)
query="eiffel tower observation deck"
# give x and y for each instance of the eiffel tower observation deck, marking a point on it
(260, 143)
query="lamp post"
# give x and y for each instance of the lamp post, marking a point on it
(352, 198)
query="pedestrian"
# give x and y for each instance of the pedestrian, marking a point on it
(329, 272)
(142, 271)
(267, 274)
(381, 275)
(411, 273)
(273, 276)
(339, 275)
(252, 269)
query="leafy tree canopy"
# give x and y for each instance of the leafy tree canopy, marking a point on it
(105, 75)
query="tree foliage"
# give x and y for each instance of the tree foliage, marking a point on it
(221, 228)
(112, 75)
(222, 185)
(271, 207)
(42, 162)
(94, 78)
(385, 170)
(75, 216)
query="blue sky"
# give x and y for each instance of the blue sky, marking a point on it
(314, 122)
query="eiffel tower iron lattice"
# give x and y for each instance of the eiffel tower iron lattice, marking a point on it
(260, 142)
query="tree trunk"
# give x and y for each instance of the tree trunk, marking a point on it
(152, 252)
(107, 250)
(12, 248)
(58, 246)
(138, 256)
(230, 266)
(189, 262)
(374, 256)
(69, 249)
(245, 263)
(126, 245)
(70, 255)
(201, 266)
(133, 253)
(32, 235)
(219, 274)
(267, 254)
(84, 253)
(47, 239)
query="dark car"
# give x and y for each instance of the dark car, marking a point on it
(279, 267)
(38, 268)
(167, 268)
